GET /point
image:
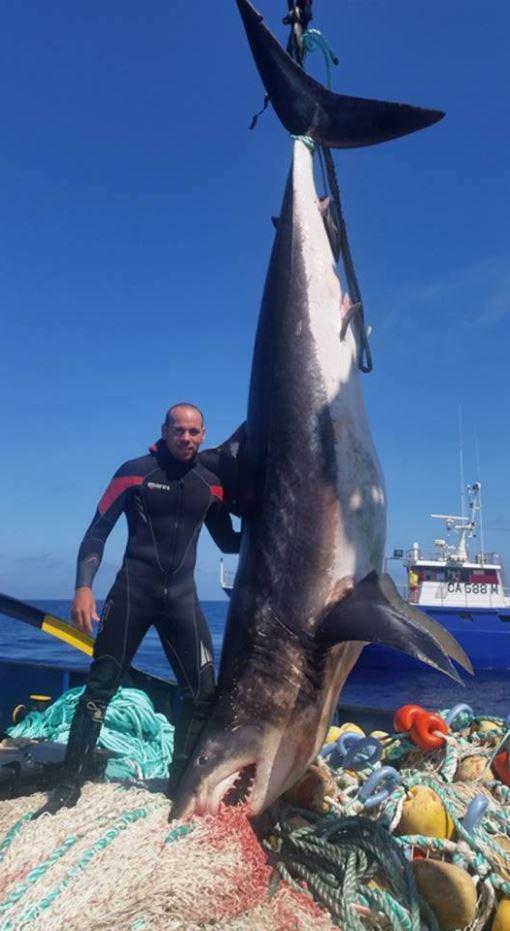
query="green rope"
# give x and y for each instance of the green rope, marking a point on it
(306, 140)
(12, 833)
(312, 40)
(140, 739)
(336, 856)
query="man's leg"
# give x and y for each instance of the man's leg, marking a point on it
(102, 683)
(120, 633)
(187, 643)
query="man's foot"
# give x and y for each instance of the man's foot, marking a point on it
(64, 795)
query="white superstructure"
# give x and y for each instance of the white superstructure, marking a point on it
(449, 577)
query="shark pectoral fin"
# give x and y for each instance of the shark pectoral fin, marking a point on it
(415, 616)
(369, 615)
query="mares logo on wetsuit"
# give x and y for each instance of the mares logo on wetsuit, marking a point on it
(159, 486)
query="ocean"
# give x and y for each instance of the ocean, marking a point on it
(487, 692)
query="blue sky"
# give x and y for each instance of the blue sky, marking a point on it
(136, 231)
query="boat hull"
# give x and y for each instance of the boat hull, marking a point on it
(483, 634)
(19, 680)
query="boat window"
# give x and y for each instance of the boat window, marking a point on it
(484, 576)
(457, 575)
(504, 617)
(431, 575)
(465, 615)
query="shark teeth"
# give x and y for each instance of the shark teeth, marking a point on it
(240, 790)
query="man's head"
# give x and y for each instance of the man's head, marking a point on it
(183, 431)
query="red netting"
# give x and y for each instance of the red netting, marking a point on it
(243, 881)
(238, 888)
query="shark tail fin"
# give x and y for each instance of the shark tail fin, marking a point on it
(376, 613)
(307, 108)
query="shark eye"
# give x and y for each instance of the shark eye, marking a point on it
(202, 759)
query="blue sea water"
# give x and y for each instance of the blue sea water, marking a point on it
(384, 689)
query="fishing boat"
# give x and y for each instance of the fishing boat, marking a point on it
(465, 592)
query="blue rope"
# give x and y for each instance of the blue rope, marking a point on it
(313, 40)
(306, 140)
(140, 739)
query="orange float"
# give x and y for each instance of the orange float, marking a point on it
(405, 716)
(427, 730)
(500, 767)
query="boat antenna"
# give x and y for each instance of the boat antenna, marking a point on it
(461, 466)
(478, 473)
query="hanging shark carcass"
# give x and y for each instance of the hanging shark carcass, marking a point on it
(309, 591)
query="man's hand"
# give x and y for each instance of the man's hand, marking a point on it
(83, 609)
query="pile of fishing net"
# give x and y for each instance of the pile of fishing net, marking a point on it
(413, 825)
(379, 834)
(113, 861)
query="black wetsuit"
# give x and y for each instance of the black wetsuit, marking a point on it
(165, 502)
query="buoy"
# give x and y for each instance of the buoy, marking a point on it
(449, 890)
(424, 813)
(473, 769)
(426, 730)
(335, 732)
(500, 767)
(379, 735)
(311, 790)
(502, 917)
(405, 716)
(486, 727)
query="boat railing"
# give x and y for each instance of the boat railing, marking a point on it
(482, 559)
(445, 556)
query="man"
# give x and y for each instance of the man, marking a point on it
(166, 496)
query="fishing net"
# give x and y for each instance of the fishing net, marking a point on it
(113, 861)
(353, 860)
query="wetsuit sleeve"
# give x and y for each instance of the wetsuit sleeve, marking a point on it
(219, 525)
(108, 512)
(229, 470)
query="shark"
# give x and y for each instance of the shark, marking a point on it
(309, 592)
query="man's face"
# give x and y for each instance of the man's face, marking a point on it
(184, 433)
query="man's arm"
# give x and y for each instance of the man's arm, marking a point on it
(90, 553)
(226, 461)
(219, 525)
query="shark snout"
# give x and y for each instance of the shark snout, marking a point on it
(237, 768)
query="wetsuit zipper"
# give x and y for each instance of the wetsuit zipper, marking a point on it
(178, 509)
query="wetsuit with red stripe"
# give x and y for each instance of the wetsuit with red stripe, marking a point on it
(166, 502)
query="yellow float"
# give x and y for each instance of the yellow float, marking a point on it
(424, 813)
(450, 892)
(335, 732)
(502, 917)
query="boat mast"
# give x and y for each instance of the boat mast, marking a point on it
(466, 526)
(478, 472)
(461, 466)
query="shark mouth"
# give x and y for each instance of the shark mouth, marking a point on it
(236, 790)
